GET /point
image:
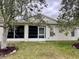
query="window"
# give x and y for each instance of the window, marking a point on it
(19, 32)
(41, 32)
(36, 32)
(33, 31)
(16, 32)
(52, 33)
(11, 33)
(72, 34)
(41, 36)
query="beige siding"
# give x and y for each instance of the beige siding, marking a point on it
(62, 36)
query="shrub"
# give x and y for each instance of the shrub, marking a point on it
(76, 45)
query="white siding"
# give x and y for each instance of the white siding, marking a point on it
(62, 36)
(77, 33)
(47, 32)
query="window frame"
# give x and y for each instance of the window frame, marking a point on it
(73, 33)
(14, 32)
(44, 34)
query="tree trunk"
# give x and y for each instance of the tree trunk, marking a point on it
(4, 39)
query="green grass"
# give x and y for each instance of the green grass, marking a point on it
(45, 50)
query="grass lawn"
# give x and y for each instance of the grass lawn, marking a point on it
(45, 50)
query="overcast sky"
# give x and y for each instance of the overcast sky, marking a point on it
(53, 8)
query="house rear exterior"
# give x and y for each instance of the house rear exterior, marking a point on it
(38, 31)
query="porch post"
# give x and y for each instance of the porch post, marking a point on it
(26, 32)
(47, 32)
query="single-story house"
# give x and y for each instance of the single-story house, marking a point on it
(36, 30)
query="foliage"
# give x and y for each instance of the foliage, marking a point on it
(69, 15)
(10, 9)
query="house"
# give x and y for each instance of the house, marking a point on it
(36, 30)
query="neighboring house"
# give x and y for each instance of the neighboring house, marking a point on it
(36, 30)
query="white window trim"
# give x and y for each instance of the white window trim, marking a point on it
(44, 32)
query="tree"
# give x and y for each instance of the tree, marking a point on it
(10, 9)
(69, 15)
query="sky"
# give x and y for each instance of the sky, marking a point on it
(53, 8)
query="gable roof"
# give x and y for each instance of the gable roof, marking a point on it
(45, 19)
(49, 20)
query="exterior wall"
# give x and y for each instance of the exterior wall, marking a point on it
(77, 32)
(31, 39)
(57, 36)
(62, 36)
(47, 32)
